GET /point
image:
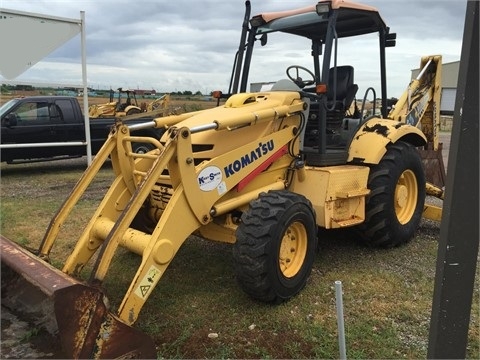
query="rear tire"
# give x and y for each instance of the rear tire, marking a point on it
(275, 247)
(395, 205)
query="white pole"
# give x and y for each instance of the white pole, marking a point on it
(340, 321)
(85, 90)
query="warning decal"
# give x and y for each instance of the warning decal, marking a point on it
(148, 282)
(144, 290)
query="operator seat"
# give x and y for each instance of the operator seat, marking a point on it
(345, 89)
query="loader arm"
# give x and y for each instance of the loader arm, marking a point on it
(201, 191)
(191, 206)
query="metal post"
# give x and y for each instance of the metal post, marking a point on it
(85, 89)
(459, 232)
(340, 321)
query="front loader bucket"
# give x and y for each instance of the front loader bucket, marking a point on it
(74, 312)
(434, 166)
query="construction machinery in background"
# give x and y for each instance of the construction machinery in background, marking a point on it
(162, 103)
(125, 104)
(262, 171)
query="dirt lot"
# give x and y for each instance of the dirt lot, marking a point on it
(178, 104)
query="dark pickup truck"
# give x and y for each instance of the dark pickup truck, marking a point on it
(55, 119)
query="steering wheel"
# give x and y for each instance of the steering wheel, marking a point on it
(298, 80)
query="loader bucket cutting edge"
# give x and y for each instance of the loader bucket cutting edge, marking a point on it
(82, 322)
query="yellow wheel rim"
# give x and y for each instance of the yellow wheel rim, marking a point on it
(293, 249)
(406, 195)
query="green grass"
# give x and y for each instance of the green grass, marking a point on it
(387, 293)
(30, 334)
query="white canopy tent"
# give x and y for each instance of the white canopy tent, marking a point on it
(26, 38)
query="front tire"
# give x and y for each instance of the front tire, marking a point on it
(275, 247)
(133, 111)
(395, 205)
(142, 148)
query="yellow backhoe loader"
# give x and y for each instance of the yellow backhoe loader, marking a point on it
(162, 103)
(118, 107)
(262, 171)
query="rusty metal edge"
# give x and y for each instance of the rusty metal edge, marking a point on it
(36, 271)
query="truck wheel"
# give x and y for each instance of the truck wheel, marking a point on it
(142, 148)
(275, 247)
(395, 205)
(133, 111)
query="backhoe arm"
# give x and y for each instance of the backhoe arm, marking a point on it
(419, 106)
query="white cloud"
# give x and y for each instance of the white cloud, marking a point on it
(185, 45)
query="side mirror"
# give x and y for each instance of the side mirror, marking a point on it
(263, 39)
(9, 120)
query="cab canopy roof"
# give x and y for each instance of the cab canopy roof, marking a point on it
(311, 22)
(122, 90)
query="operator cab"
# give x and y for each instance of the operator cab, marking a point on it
(328, 87)
(341, 107)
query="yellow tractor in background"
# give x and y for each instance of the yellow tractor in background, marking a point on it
(262, 171)
(118, 107)
(162, 103)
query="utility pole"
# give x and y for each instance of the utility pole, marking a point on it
(459, 232)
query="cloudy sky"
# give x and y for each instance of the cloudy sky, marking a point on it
(190, 45)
